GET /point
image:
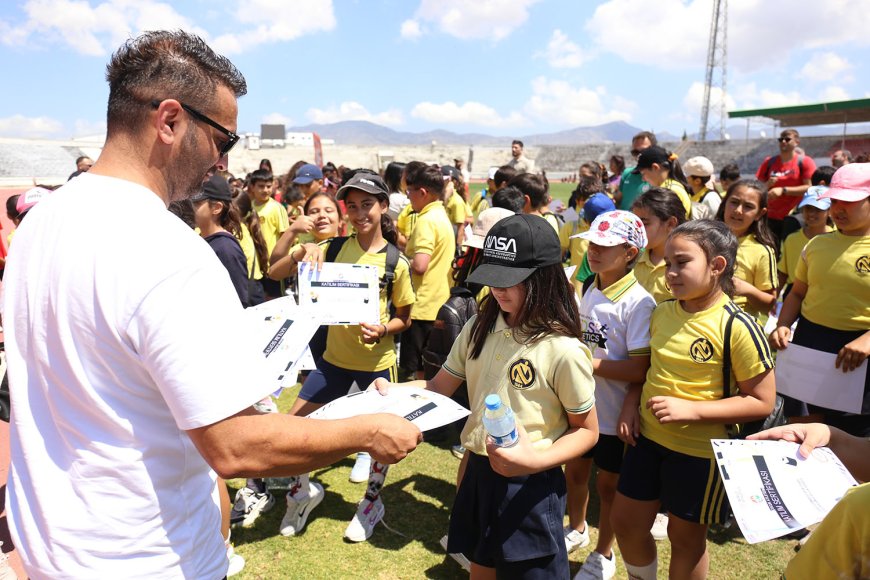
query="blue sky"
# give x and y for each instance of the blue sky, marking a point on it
(504, 67)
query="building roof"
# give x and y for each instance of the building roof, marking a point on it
(854, 111)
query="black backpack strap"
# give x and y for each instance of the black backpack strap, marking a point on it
(587, 284)
(335, 245)
(726, 355)
(390, 269)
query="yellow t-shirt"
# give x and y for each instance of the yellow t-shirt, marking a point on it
(433, 235)
(247, 243)
(273, 222)
(406, 220)
(541, 382)
(681, 192)
(756, 264)
(455, 208)
(840, 546)
(479, 203)
(792, 248)
(652, 278)
(836, 269)
(552, 220)
(344, 346)
(686, 362)
(576, 247)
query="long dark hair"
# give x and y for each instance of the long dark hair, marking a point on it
(715, 239)
(465, 265)
(759, 228)
(229, 218)
(252, 222)
(550, 307)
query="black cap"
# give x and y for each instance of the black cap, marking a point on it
(450, 172)
(514, 248)
(652, 155)
(216, 188)
(367, 182)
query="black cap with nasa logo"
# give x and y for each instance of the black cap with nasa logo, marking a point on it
(514, 248)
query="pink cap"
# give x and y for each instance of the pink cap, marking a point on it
(850, 183)
(30, 198)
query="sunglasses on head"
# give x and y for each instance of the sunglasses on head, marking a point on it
(232, 138)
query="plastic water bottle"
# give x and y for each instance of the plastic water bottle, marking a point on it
(499, 422)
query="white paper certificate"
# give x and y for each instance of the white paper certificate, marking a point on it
(773, 490)
(340, 293)
(283, 331)
(809, 375)
(427, 410)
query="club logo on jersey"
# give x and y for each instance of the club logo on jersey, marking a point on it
(522, 374)
(862, 265)
(594, 334)
(701, 350)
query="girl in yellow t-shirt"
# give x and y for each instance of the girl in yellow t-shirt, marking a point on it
(744, 211)
(357, 353)
(671, 462)
(661, 168)
(661, 211)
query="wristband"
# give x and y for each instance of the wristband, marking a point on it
(385, 331)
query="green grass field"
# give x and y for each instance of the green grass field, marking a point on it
(418, 495)
(558, 190)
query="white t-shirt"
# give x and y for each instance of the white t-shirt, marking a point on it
(615, 326)
(120, 335)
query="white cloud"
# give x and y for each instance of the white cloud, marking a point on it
(468, 113)
(825, 66)
(21, 126)
(562, 53)
(674, 33)
(556, 102)
(748, 96)
(86, 128)
(275, 21)
(411, 30)
(91, 30)
(277, 119)
(833, 93)
(694, 100)
(490, 19)
(353, 111)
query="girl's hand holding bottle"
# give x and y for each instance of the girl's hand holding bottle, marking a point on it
(516, 460)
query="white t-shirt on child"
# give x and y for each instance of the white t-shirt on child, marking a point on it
(615, 325)
(123, 330)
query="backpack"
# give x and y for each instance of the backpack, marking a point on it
(452, 316)
(768, 165)
(777, 415)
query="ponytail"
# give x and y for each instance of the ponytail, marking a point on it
(388, 229)
(252, 221)
(230, 220)
(676, 171)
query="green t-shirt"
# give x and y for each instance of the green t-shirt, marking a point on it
(631, 185)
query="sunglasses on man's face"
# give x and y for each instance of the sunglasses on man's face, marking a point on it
(783, 139)
(232, 138)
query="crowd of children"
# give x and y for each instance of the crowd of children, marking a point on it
(620, 365)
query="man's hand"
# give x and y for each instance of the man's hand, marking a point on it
(393, 437)
(809, 435)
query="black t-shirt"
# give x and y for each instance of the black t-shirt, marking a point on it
(229, 252)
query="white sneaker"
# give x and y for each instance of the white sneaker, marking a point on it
(458, 557)
(597, 567)
(237, 563)
(249, 505)
(659, 528)
(361, 468)
(367, 516)
(574, 539)
(298, 510)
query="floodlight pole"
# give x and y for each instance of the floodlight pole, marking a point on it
(717, 60)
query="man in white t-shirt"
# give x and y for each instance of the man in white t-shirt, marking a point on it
(133, 383)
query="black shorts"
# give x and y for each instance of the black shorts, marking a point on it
(689, 487)
(512, 524)
(329, 382)
(607, 453)
(830, 340)
(413, 342)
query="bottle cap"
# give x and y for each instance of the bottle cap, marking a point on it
(493, 402)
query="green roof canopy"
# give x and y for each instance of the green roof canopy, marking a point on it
(855, 111)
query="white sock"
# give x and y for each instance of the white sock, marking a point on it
(302, 492)
(647, 572)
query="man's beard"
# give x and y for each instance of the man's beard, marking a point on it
(183, 176)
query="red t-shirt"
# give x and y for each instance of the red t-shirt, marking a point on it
(787, 175)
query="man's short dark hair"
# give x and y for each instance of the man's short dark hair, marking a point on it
(791, 133)
(533, 186)
(419, 174)
(509, 198)
(518, 142)
(165, 65)
(504, 174)
(730, 172)
(823, 175)
(646, 135)
(81, 158)
(260, 175)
